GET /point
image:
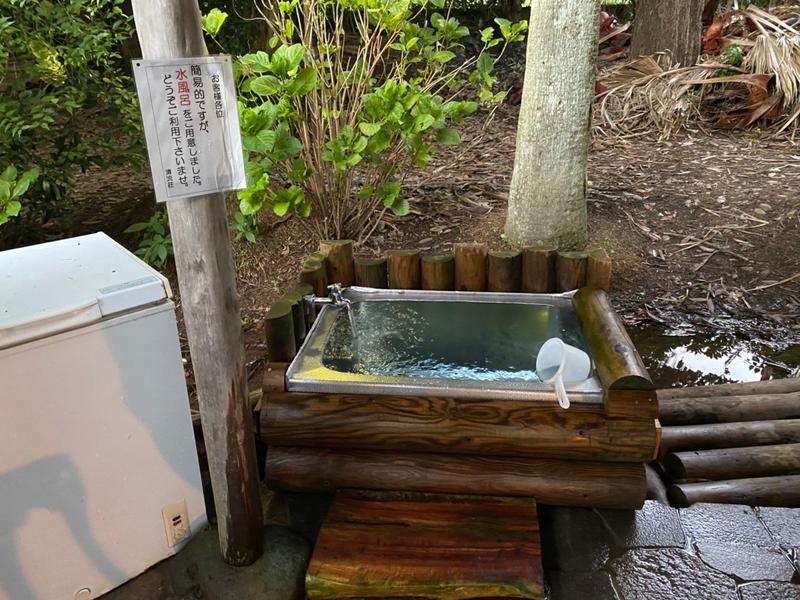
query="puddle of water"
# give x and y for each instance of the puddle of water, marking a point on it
(681, 358)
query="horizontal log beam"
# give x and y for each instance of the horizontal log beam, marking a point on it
(446, 425)
(729, 435)
(774, 386)
(562, 483)
(734, 463)
(760, 491)
(729, 409)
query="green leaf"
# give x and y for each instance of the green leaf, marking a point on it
(286, 59)
(13, 208)
(266, 85)
(303, 82)
(448, 137)
(212, 22)
(137, 227)
(369, 129)
(258, 62)
(442, 56)
(487, 34)
(250, 237)
(401, 207)
(10, 174)
(422, 122)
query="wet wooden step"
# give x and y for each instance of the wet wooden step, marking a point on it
(396, 545)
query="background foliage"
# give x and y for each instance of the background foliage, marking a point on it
(64, 98)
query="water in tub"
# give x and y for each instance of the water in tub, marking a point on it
(449, 340)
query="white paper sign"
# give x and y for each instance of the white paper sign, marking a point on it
(191, 124)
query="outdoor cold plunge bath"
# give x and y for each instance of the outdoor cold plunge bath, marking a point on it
(451, 344)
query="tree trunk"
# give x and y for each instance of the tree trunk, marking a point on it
(673, 25)
(547, 203)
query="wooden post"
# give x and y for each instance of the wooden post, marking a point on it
(279, 332)
(570, 271)
(505, 271)
(207, 282)
(295, 298)
(370, 272)
(598, 270)
(471, 273)
(315, 273)
(404, 269)
(538, 269)
(339, 261)
(438, 273)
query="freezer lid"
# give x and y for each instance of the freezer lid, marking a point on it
(57, 286)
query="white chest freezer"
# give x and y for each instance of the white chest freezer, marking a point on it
(99, 476)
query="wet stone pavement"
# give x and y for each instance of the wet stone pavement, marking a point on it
(707, 551)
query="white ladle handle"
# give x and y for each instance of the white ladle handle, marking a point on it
(561, 392)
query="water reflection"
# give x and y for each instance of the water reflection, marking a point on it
(702, 358)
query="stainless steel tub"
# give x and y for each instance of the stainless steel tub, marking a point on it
(313, 369)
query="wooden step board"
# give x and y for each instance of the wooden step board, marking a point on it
(732, 443)
(377, 545)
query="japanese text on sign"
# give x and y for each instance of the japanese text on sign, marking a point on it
(191, 124)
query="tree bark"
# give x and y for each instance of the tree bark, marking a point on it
(673, 25)
(547, 203)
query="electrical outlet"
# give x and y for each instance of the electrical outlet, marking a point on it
(176, 522)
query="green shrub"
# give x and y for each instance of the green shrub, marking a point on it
(59, 60)
(348, 97)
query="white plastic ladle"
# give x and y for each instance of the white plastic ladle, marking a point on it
(558, 363)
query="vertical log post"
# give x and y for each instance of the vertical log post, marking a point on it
(471, 272)
(598, 270)
(538, 269)
(300, 324)
(279, 332)
(339, 261)
(404, 269)
(505, 271)
(370, 272)
(315, 273)
(207, 281)
(438, 273)
(570, 271)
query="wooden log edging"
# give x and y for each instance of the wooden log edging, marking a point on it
(707, 436)
(279, 332)
(774, 386)
(562, 483)
(471, 267)
(759, 491)
(734, 463)
(571, 271)
(539, 269)
(505, 271)
(339, 261)
(471, 273)
(438, 272)
(404, 269)
(371, 272)
(729, 409)
(446, 425)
